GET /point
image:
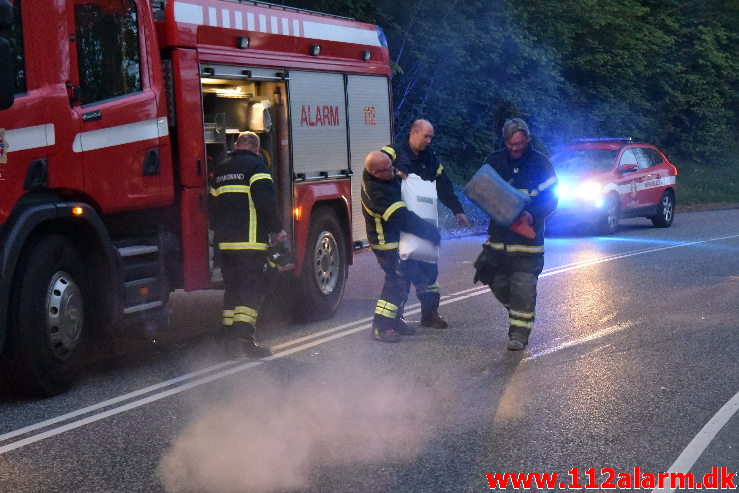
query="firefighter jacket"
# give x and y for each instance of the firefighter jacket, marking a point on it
(241, 204)
(533, 175)
(385, 214)
(427, 166)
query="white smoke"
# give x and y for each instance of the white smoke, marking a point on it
(274, 440)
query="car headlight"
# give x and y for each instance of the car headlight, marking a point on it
(589, 191)
(563, 190)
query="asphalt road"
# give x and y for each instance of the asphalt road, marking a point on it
(632, 363)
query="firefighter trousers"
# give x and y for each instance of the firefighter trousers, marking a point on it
(245, 281)
(423, 276)
(514, 285)
(394, 293)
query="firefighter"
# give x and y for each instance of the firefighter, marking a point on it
(385, 216)
(242, 212)
(413, 155)
(520, 260)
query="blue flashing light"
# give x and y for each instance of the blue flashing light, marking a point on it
(381, 36)
(602, 139)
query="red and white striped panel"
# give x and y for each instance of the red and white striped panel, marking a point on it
(216, 13)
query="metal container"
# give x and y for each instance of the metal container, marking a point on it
(215, 131)
(496, 197)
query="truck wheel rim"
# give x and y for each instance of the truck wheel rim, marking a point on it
(64, 315)
(326, 262)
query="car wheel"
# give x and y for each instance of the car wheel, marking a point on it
(611, 215)
(47, 319)
(325, 267)
(665, 211)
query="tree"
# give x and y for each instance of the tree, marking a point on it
(663, 71)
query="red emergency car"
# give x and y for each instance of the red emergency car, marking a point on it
(602, 180)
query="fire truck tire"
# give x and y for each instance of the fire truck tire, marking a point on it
(611, 214)
(44, 345)
(323, 278)
(665, 210)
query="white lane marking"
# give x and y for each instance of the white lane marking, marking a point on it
(484, 289)
(109, 402)
(574, 342)
(410, 310)
(454, 297)
(699, 443)
(557, 270)
(126, 407)
(321, 333)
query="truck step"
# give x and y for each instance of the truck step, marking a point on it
(142, 307)
(140, 268)
(135, 250)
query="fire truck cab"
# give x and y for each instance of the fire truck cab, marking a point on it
(112, 113)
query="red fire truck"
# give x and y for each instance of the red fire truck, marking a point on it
(112, 112)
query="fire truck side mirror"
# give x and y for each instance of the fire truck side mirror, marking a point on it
(7, 77)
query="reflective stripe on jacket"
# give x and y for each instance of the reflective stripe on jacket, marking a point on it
(241, 203)
(380, 199)
(534, 176)
(385, 215)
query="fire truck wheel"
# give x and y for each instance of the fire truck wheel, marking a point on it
(324, 269)
(47, 319)
(611, 214)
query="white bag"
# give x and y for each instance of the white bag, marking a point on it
(259, 118)
(420, 197)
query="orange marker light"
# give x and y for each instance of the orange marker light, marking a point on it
(77, 211)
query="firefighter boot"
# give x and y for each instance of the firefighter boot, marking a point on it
(384, 335)
(434, 321)
(429, 311)
(251, 349)
(517, 340)
(401, 326)
(239, 342)
(384, 330)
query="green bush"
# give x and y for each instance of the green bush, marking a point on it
(707, 183)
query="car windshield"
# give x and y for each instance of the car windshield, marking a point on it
(584, 160)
